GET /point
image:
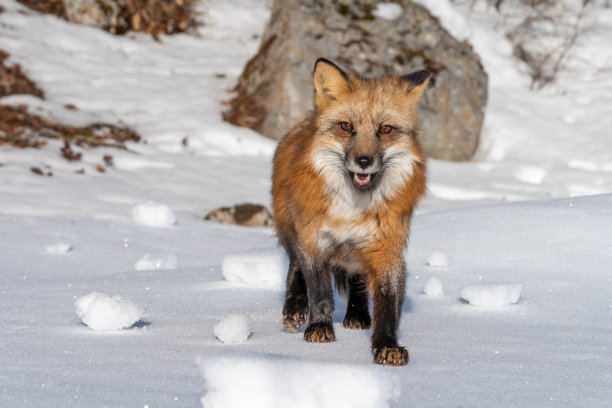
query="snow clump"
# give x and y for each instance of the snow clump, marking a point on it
(438, 259)
(152, 214)
(234, 329)
(101, 312)
(264, 381)
(387, 11)
(152, 262)
(258, 268)
(492, 295)
(59, 248)
(433, 287)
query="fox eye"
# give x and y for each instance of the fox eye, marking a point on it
(346, 126)
(385, 129)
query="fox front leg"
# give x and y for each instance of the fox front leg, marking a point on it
(320, 329)
(387, 298)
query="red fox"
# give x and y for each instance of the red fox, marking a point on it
(344, 186)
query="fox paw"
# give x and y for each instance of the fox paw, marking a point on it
(393, 356)
(356, 322)
(294, 313)
(319, 333)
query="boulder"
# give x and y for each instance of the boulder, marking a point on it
(275, 90)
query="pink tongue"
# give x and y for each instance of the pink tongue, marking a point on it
(362, 179)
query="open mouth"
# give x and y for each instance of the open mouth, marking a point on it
(362, 181)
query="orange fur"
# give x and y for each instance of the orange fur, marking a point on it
(318, 211)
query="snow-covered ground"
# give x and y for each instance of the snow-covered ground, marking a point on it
(508, 304)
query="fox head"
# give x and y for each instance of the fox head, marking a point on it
(365, 140)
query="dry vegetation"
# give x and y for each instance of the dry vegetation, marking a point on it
(153, 17)
(21, 129)
(542, 33)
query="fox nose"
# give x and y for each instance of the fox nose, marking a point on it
(364, 161)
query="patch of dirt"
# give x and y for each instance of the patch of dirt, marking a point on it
(160, 16)
(13, 81)
(19, 128)
(55, 7)
(154, 17)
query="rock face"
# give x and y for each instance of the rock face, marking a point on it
(275, 90)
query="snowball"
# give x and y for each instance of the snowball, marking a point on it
(151, 262)
(530, 174)
(492, 295)
(438, 259)
(102, 312)
(259, 268)
(264, 381)
(433, 287)
(234, 329)
(153, 214)
(59, 248)
(387, 11)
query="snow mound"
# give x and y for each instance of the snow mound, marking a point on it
(234, 329)
(59, 248)
(255, 380)
(492, 295)
(101, 312)
(387, 11)
(433, 287)
(258, 268)
(151, 262)
(152, 214)
(438, 259)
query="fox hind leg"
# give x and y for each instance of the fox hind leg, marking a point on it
(357, 313)
(295, 309)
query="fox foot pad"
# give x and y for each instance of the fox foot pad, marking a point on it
(294, 313)
(319, 333)
(393, 356)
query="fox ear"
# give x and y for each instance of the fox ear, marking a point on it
(330, 82)
(418, 82)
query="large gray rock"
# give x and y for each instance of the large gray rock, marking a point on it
(275, 90)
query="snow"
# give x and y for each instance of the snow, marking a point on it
(492, 295)
(263, 381)
(257, 268)
(438, 259)
(234, 329)
(162, 261)
(517, 213)
(101, 312)
(433, 287)
(59, 248)
(387, 11)
(152, 214)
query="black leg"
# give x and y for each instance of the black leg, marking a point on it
(295, 309)
(320, 329)
(357, 313)
(387, 302)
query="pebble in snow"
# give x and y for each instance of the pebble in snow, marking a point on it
(234, 329)
(152, 214)
(438, 259)
(101, 312)
(433, 287)
(492, 295)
